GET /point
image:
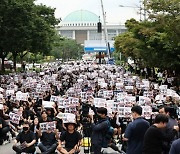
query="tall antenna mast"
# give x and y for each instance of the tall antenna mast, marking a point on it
(105, 30)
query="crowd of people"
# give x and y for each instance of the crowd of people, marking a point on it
(57, 107)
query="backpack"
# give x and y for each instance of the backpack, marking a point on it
(110, 131)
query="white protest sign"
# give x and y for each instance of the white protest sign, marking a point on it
(127, 111)
(14, 118)
(99, 102)
(163, 89)
(119, 85)
(48, 126)
(121, 112)
(109, 104)
(47, 104)
(1, 106)
(9, 92)
(144, 100)
(22, 96)
(129, 87)
(1, 89)
(1, 96)
(67, 117)
(147, 112)
(146, 83)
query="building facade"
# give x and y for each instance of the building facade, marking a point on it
(81, 25)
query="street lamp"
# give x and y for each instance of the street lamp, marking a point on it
(135, 7)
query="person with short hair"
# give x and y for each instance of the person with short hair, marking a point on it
(175, 147)
(27, 140)
(48, 142)
(169, 112)
(134, 133)
(154, 137)
(99, 130)
(44, 117)
(72, 139)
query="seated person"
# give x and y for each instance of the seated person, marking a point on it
(72, 139)
(27, 140)
(35, 128)
(44, 117)
(48, 143)
(4, 128)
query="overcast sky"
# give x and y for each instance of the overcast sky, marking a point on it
(114, 13)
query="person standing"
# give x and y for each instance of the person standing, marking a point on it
(175, 147)
(99, 130)
(134, 133)
(154, 137)
(168, 130)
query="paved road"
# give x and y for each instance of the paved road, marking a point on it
(7, 149)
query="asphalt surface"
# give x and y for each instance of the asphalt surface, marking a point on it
(7, 149)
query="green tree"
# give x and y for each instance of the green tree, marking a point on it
(25, 26)
(155, 42)
(66, 49)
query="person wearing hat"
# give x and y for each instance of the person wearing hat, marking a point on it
(72, 139)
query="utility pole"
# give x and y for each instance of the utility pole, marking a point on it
(105, 30)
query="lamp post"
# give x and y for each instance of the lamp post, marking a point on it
(105, 30)
(135, 7)
(141, 7)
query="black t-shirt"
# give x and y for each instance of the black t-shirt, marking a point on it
(71, 139)
(28, 137)
(3, 122)
(153, 141)
(48, 120)
(48, 138)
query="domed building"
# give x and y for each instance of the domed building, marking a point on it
(81, 25)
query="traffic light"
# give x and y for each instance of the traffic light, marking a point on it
(99, 27)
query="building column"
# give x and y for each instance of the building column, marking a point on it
(74, 35)
(117, 32)
(88, 33)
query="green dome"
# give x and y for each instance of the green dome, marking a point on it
(81, 16)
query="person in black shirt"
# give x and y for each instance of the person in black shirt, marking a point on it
(35, 127)
(72, 139)
(154, 136)
(27, 140)
(44, 117)
(48, 143)
(4, 128)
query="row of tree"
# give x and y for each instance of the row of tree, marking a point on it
(28, 29)
(154, 42)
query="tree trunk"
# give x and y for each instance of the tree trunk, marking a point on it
(14, 61)
(2, 64)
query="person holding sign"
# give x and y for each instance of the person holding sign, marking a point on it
(48, 143)
(72, 139)
(27, 140)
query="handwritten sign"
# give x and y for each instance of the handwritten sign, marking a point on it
(14, 118)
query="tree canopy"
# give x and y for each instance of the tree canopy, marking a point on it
(154, 42)
(25, 26)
